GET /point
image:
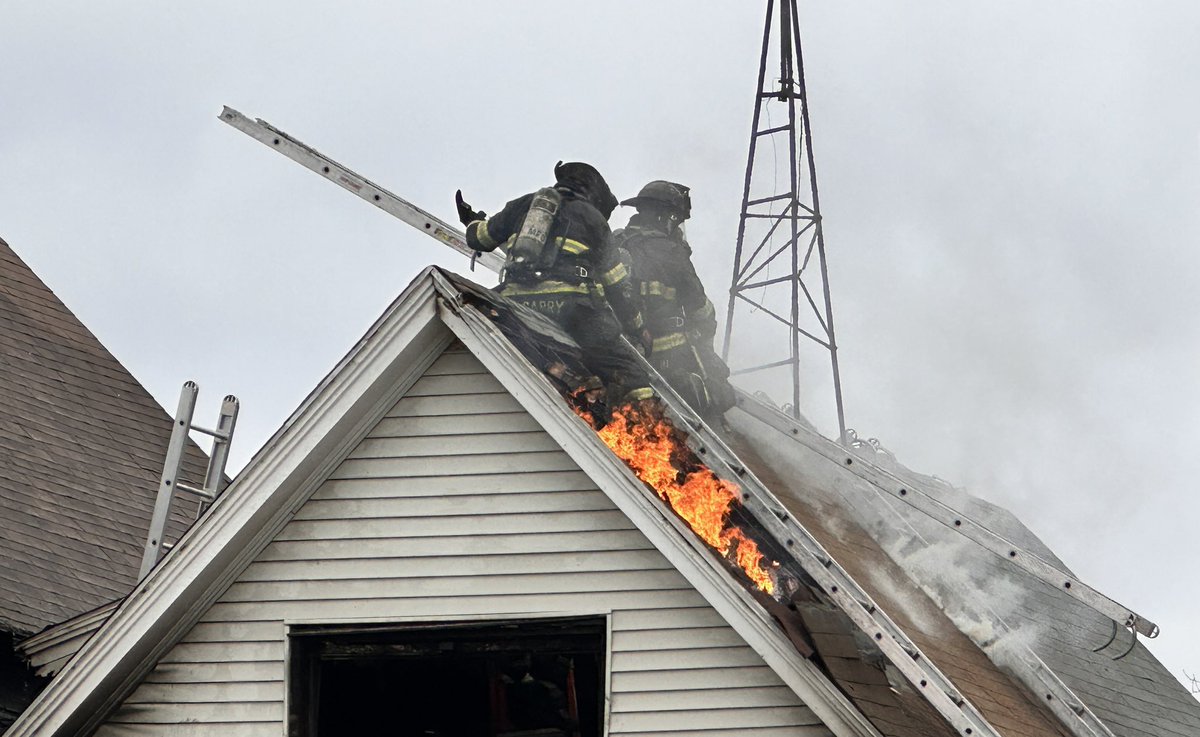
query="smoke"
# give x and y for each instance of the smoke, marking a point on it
(974, 589)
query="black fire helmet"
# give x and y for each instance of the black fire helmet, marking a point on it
(584, 180)
(660, 193)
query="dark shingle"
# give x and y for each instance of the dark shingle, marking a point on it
(81, 450)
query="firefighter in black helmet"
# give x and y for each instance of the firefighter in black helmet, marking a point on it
(680, 317)
(561, 262)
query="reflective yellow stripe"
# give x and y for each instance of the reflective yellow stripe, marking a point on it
(482, 235)
(571, 246)
(707, 309)
(614, 275)
(667, 342)
(658, 289)
(542, 287)
(644, 392)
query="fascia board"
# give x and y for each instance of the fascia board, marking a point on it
(164, 605)
(682, 549)
(67, 630)
(64, 639)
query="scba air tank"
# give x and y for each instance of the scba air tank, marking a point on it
(531, 240)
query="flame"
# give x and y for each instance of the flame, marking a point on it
(654, 451)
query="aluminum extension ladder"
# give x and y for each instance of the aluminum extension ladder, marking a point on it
(170, 484)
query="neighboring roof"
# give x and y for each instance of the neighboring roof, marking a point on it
(434, 310)
(81, 452)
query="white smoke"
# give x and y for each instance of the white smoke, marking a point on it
(967, 583)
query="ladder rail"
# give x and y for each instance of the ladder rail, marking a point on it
(394, 205)
(222, 440)
(170, 476)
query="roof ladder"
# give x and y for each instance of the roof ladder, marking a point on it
(170, 484)
(960, 523)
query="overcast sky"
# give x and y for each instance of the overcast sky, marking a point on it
(1009, 190)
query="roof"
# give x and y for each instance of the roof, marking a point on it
(1119, 679)
(1051, 642)
(808, 640)
(81, 451)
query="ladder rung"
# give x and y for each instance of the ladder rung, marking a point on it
(220, 435)
(205, 495)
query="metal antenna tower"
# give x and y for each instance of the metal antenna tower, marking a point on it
(798, 215)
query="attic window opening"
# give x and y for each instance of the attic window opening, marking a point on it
(524, 678)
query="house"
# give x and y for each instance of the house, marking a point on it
(435, 543)
(81, 452)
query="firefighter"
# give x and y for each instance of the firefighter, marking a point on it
(560, 262)
(680, 317)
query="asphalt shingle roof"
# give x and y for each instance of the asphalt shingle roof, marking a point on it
(81, 451)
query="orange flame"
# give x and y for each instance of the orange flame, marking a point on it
(650, 446)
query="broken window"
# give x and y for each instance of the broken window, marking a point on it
(528, 678)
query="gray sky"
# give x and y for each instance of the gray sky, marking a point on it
(1010, 195)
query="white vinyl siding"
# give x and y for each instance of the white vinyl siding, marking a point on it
(456, 506)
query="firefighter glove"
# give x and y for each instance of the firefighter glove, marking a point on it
(465, 214)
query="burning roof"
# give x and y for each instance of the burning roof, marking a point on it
(772, 566)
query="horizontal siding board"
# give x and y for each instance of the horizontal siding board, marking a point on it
(701, 657)
(663, 619)
(506, 524)
(455, 363)
(509, 442)
(702, 719)
(211, 693)
(473, 406)
(434, 586)
(789, 731)
(752, 676)
(381, 569)
(185, 713)
(248, 729)
(453, 384)
(534, 503)
(713, 698)
(468, 484)
(224, 672)
(459, 545)
(499, 463)
(459, 426)
(679, 639)
(220, 652)
(462, 607)
(236, 631)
